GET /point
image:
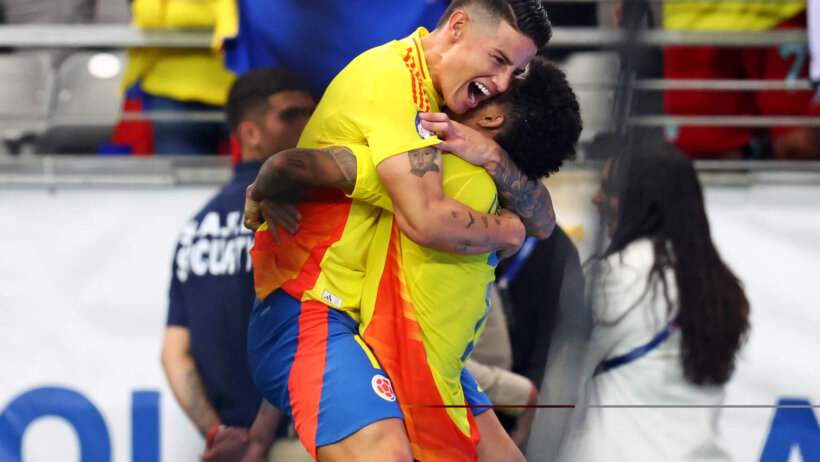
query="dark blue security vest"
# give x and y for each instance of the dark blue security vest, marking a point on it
(212, 294)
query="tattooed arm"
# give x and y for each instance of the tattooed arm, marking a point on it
(294, 168)
(527, 197)
(185, 380)
(413, 182)
(332, 167)
(428, 217)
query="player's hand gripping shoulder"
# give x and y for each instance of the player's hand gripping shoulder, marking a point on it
(528, 198)
(286, 173)
(413, 181)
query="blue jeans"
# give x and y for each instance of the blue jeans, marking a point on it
(185, 137)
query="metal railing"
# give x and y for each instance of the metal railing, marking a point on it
(55, 172)
(97, 36)
(124, 36)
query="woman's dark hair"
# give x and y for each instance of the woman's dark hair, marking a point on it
(660, 198)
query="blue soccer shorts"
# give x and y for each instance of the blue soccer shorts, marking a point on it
(309, 361)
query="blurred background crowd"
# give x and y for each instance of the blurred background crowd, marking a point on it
(712, 100)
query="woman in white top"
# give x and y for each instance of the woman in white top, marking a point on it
(669, 318)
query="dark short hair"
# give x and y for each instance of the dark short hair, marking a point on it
(253, 88)
(526, 16)
(543, 120)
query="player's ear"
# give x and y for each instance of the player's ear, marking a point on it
(491, 121)
(457, 25)
(248, 134)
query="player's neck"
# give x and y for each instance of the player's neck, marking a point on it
(433, 48)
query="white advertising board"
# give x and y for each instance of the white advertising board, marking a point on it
(83, 297)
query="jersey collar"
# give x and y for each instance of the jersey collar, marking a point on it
(414, 40)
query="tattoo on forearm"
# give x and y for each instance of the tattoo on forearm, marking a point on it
(330, 167)
(526, 197)
(297, 160)
(484, 219)
(472, 220)
(423, 160)
(346, 161)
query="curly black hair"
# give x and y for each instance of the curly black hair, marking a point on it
(253, 88)
(527, 16)
(543, 120)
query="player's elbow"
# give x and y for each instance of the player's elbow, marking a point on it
(166, 357)
(415, 229)
(279, 162)
(544, 231)
(517, 235)
(544, 227)
(175, 353)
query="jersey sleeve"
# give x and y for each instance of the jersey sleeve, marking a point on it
(391, 117)
(369, 187)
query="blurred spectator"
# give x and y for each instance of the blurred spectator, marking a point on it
(179, 79)
(490, 363)
(544, 273)
(3, 21)
(570, 14)
(570, 323)
(814, 43)
(669, 318)
(317, 39)
(211, 294)
(541, 285)
(542, 292)
(537, 314)
(48, 11)
(787, 62)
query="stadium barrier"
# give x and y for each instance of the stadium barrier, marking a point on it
(87, 246)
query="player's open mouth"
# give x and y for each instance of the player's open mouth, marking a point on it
(474, 90)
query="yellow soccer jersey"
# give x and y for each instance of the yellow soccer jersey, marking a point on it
(450, 293)
(446, 295)
(372, 103)
(726, 15)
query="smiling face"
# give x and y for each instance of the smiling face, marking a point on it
(484, 57)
